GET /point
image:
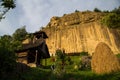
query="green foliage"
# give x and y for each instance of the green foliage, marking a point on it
(116, 10)
(8, 45)
(7, 60)
(112, 20)
(36, 74)
(40, 74)
(85, 63)
(97, 10)
(8, 3)
(118, 55)
(84, 53)
(16, 45)
(60, 55)
(6, 42)
(5, 6)
(20, 34)
(46, 74)
(60, 63)
(82, 62)
(7, 55)
(106, 11)
(77, 10)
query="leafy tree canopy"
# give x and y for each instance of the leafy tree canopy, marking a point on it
(7, 56)
(116, 10)
(20, 34)
(8, 3)
(97, 10)
(112, 19)
(8, 45)
(5, 6)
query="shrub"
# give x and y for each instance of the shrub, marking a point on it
(97, 10)
(84, 53)
(118, 55)
(7, 55)
(60, 63)
(76, 10)
(111, 20)
(7, 61)
(116, 10)
(85, 63)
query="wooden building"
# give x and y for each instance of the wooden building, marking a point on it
(34, 50)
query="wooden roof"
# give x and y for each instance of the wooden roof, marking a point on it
(31, 45)
(40, 34)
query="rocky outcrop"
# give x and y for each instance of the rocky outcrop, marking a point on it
(80, 31)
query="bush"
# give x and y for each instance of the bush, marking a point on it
(77, 11)
(118, 55)
(85, 63)
(7, 61)
(84, 54)
(116, 10)
(60, 63)
(97, 10)
(111, 20)
(7, 56)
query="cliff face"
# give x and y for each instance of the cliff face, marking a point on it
(80, 31)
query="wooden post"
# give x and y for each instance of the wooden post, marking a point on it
(36, 56)
(45, 62)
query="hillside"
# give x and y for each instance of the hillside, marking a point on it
(80, 31)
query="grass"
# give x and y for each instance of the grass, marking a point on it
(36, 74)
(46, 74)
(71, 74)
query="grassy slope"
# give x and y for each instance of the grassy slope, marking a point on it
(71, 74)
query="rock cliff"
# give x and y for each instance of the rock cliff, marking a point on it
(80, 31)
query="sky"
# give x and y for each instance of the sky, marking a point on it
(37, 13)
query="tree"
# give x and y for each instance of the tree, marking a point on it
(111, 20)
(7, 55)
(8, 45)
(5, 41)
(76, 10)
(116, 10)
(20, 34)
(5, 6)
(60, 62)
(97, 10)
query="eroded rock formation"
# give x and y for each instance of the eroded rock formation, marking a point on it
(80, 31)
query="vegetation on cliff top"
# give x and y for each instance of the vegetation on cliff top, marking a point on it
(112, 19)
